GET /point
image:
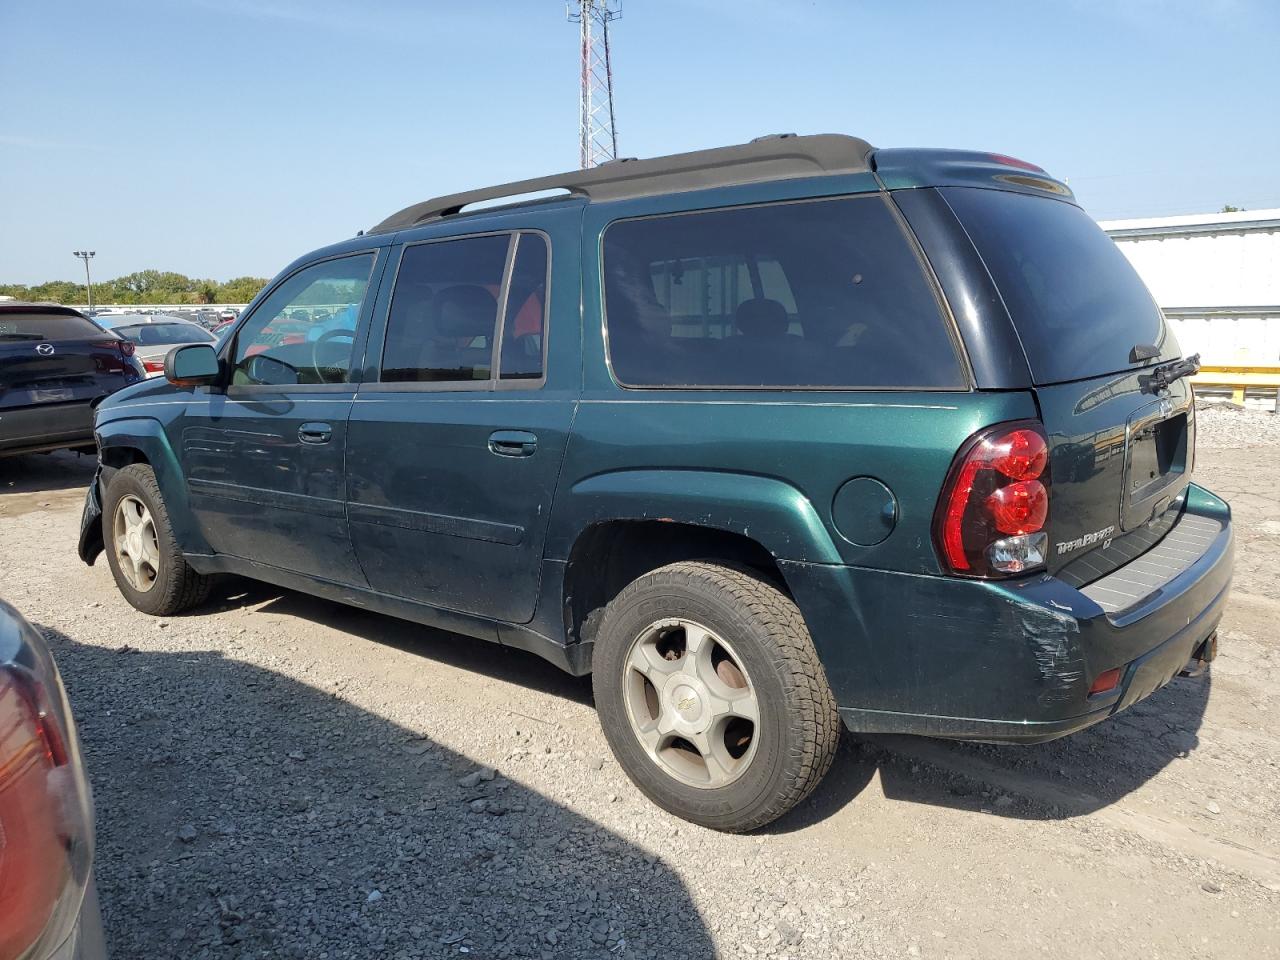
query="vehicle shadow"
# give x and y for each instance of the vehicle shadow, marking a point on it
(46, 472)
(1069, 777)
(1064, 778)
(243, 813)
(466, 653)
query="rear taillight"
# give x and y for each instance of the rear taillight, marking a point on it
(126, 348)
(992, 514)
(153, 366)
(35, 870)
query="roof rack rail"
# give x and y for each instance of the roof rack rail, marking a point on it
(776, 157)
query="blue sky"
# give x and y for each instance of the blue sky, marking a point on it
(225, 137)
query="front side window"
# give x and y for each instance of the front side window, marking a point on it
(825, 293)
(304, 332)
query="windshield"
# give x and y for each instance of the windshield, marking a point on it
(1078, 305)
(146, 334)
(46, 326)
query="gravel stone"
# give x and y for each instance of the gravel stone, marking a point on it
(265, 766)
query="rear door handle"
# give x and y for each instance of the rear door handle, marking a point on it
(315, 433)
(512, 443)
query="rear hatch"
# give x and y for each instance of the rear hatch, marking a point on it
(1121, 443)
(48, 357)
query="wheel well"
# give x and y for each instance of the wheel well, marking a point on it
(118, 457)
(608, 556)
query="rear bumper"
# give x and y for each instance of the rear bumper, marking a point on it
(50, 427)
(1014, 661)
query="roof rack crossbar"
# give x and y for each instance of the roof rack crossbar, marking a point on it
(771, 158)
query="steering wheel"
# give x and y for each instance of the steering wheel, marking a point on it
(325, 338)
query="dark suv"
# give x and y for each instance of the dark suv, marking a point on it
(764, 438)
(56, 365)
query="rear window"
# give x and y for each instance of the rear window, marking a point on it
(46, 326)
(158, 334)
(811, 294)
(1078, 305)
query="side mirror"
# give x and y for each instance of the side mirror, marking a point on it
(191, 365)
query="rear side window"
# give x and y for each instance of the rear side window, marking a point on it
(444, 325)
(1078, 305)
(825, 293)
(46, 326)
(444, 311)
(524, 327)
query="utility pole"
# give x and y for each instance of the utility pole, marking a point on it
(85, 255)
(598, 141)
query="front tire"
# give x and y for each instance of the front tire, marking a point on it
(712, 696)
(143, 554)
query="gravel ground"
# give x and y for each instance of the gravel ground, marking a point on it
(1224, 425)
(280, 776)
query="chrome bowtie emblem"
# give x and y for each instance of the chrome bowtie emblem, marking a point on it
(45, 349)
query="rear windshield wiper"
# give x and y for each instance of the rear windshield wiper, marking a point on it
(1165, 374)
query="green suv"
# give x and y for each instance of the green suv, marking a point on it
(764, 438)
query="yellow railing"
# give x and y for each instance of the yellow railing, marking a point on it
(1240, 378)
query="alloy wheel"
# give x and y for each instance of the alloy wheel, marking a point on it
(136, 543)
(691, 703)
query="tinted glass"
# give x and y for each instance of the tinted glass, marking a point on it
(162, 333)
(444, 311)
(304, 332)
(523, 327)
(46, 326)
(1078, 306)
(816, 294)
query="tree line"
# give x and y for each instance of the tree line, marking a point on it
(145, 286)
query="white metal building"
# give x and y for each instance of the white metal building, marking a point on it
(1217, 277)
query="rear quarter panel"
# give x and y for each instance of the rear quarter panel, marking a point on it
(765, 464)
(768, 466)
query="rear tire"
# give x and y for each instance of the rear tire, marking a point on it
(142, 552)
(684, 656)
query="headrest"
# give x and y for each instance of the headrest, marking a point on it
(761, 318)
(465, 310)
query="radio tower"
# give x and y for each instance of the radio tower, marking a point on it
(598, 141)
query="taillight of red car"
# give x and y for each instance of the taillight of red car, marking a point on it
(35, 869)
(992, 516)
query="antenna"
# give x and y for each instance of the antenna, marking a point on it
(598, 140)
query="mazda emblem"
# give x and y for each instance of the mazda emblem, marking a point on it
(45, 349)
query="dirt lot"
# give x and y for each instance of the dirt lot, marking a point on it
(279, 776)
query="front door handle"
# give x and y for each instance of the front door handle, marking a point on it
(512, 443)
(315, 433)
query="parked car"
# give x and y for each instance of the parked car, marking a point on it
(55, 366)
(48, 901)
(156, 336)
(764, 438)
